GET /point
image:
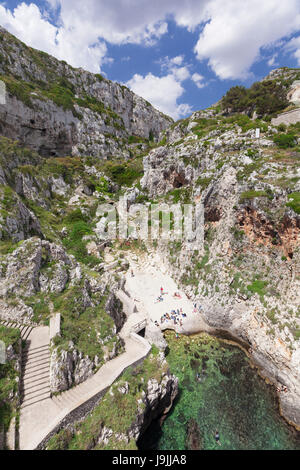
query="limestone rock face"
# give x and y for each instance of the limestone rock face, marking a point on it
(23, 274)
(245, 275)
(157, 401)
(22, 270)
(69, 368)
(79, 113)
(154, 335)
(16, 220)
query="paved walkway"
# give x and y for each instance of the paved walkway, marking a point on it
(40, 416)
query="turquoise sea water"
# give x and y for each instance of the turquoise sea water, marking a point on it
(227, 396)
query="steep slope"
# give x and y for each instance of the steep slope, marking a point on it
(246, 274)
(58, 110)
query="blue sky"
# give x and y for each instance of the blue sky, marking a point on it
(181, 55)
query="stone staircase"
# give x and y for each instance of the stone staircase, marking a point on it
(35, 381)
(35, 378)
(41, 413)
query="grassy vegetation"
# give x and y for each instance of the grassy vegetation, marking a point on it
(8, 375)
(9, 335)
(90, 328)
(294, 202)
(40, 306)
(65, 167)
(204, 182)
(123, 173)
(12, 153)
(8, 199)
(75, 244)
(284, 141)
(251, 194)
(258, 287)
(182, 195)
(204, 126)
(247, 170)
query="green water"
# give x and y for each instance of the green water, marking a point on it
(230, 398)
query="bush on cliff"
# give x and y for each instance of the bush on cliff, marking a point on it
(266, 98)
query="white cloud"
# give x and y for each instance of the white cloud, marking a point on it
(294, 46)
(131, 21)
(177, 60)
(181, 73)
(272, 60)
(162, 92)
(232, 39)
(232, 36)
(172, 66)
(198, 80)
(80, 49)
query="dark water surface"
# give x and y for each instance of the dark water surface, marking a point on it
(229, 396)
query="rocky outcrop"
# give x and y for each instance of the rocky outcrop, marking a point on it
(21, 271)
(154, 335)
(158, 400)
(69, 368)
(17, 222)
(114, 308)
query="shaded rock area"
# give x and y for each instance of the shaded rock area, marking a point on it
(114, 308)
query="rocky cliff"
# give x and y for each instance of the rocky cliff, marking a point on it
(58, 110)
(246, 275)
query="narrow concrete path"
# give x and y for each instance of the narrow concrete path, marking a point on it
(39, 418)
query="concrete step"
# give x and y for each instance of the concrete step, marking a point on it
(27, 365)
(35, 371)
(35, 362)
(34, 385)
(30, 394)
(36, 399)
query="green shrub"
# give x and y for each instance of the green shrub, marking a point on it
(285, 140)
(294, 202)
(258, 287)
(76, 246)
(267, 97)
(251, 194)
(203, 182)
(282, 127)
(75, 216)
